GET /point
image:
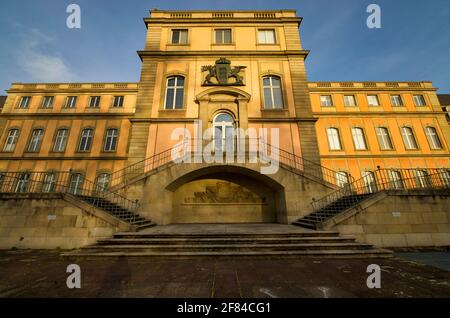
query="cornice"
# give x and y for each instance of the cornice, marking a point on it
(284, 53)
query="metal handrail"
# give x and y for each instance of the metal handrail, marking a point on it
(90, 192)
(123, 176)
(381, 180)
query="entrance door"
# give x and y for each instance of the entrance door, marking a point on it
(223, 132)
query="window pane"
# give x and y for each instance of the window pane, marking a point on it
(183, 36)
(268, 98)
(325, 100)
(219, 36)
(266, 81)
(278, 98)
(169, 98)
(433, 138)
(227, 36)
(333, 139)
(176, 37)
(358, 138)
(372, 100)
(179, 98)
(180, 81)
(349, 100)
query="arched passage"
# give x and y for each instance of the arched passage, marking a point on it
(226, 194)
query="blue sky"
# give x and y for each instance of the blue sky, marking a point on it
(413, 43)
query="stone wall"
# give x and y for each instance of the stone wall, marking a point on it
(49, 221)
(402, 220)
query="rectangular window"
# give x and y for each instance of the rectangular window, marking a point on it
(61, 140)
(86, 139)
(419, 100)
(47, 102)
(180, 36)
(333, 139)
(25, 102)
(266, 36)
(11, 140)
(94, 102)
(223, 36)
(71, 102)
(384, 139)
(349, 100)
(372, 100)
(118, 101)
(111, 139)
(359, 139)
(326, 101)
(102, 183)
(273, 96)
(35, 140)
(396, 100)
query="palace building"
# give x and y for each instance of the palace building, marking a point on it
(89, 159)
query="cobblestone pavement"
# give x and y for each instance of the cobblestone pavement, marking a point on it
(26, 273)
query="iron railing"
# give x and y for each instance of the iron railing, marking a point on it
(188, 148)
(381, 180)
(70, 183)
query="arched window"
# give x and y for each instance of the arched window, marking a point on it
(408, 138)
(112, 135)
(102, 182)
(333, 138)
(370, 185)
(433, 138)
(174, 92)
(384, 139)
(273, 96)
(11, 140)
(223, 131)
(35, 140)
(342, 178)
(359, 138)
(76, 183)
(49, 184)
(87, 135)
(61, 139)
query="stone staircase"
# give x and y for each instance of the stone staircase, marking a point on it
(138, 222)
(292, 244)
(311, 221)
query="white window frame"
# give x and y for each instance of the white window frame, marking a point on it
(24, 102)
(272, 87)
(326, 101)
(179, 37)
(409, 138)
(11, 140)
(342, 178)
(372, 104)
(396, 179)
(384, 138)
(111, 139)
(222, 36)
(419, 100)
(102, 182)
(61, 140)
(94, 101)
(353, 99)
(118, 101)
(334, 139)
(176, 90)
(433, 138)
(49, 182)
(87, 134)
(71, 102)
(47, 102)
(359, 138)
(76, 183)
(264, 39)
(35, 142)
(397, 100)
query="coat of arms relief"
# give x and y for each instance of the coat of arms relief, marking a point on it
(222, 74)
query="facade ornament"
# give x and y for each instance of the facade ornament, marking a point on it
(222, 72)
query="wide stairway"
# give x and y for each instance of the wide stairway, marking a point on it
(216, 240)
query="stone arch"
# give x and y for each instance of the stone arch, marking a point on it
(226, 194)
(228, 90)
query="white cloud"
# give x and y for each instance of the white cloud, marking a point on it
(39, 64)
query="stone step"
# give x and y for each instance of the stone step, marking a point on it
(227, 235)
(227, 247)
(263, 240)
(369, 253)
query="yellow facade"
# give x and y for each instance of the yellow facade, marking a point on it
(267, 44)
